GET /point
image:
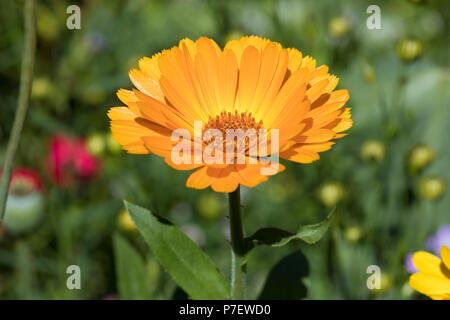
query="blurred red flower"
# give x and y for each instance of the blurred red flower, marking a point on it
(24, 181)
(69, 161)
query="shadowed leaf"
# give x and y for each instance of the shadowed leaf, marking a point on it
(285, 280)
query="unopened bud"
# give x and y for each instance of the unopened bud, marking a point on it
(409, 49)
(431, 188)
(373, 150)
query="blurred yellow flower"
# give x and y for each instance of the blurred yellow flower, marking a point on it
(409, 49)
(373, 150)
(338, 26)
(42, 88)
(386, 282)
(431, 188)
(252, 84)
(125, 222)
(353, 234)
(433, 278)
(331, 193)
(95, 143)
(420, 157)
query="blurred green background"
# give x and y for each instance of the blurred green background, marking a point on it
(386, 178)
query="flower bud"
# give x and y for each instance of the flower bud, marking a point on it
(25, 204)
(353, 234)
(42, 88)
(338, 27)
(95, 144)
(331, 193)
(48, 27)
(409, 49)
(420, 156)
(431, 188)
(386, 282)
(372, 150)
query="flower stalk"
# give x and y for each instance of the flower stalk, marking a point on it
(26, 78)
(237, 246)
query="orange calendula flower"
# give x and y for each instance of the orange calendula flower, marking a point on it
(433, 278)
(252, 84)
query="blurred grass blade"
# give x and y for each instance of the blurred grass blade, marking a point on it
(180, 256)
(277, 237)
(285, 280)
(24, 270)
(26, 78)
(132, 280)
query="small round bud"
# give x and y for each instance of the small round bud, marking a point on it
(373, 150)
(420, 156)
(48, 27)
(431, 188)
(338, 27)
(409, 49)
(386, 281)
(96, 144)
(353, 234)
(42, 88)
(331, 193)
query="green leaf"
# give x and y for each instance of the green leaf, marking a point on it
(277, 237)
(180, 256)
(285, 280)
(130, 271)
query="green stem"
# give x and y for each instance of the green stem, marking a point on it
(26, 78)
(238, 247)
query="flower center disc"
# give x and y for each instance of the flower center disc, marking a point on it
(242, 128)
(229, 121)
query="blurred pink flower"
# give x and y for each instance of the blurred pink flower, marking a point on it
(69, 160)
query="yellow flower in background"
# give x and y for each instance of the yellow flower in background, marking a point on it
(253, 83)
(433, 278)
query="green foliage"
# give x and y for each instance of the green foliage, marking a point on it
(180, 256)
(277, 237)
(132, 280)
